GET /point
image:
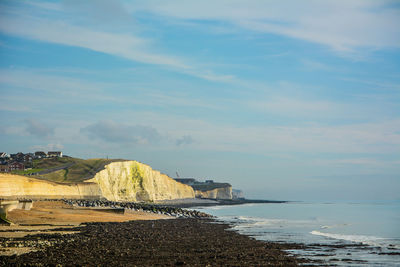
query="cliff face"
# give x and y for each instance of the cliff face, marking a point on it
(237, 194)
(16, 186)
(119, 181)
(215, 193)
(134, 181)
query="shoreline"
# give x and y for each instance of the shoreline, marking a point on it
(182, 241)
(208, 202)
(136, 237)
(162, 233)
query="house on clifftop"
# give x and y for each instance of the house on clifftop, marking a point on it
(40, 155)
(4, 155)
(4, 168)
(16, 166)
(54, 154)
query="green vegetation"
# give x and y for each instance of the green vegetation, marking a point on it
(69, 170)
(85, 169)
(52, 162)
(66, 174)
(137, 177)
(26, 172)
(57, 176)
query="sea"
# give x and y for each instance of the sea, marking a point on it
(334, 234)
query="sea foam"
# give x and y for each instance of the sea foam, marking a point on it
(363, 239)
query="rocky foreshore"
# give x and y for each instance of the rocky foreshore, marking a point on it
(179, 242)
(137, 206)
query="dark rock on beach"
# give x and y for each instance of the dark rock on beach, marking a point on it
(147, 207)
(175, 242)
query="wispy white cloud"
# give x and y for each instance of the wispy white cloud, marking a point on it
(167, 100)
(47, 147)
(378, 136)
(14, 131)
(123, 45)
(324, 110)
(99, 11)
(126, 44)
(113, 132)
(51, 84)
(341, 25)
(184, 140)
(29, 127)
(381, 137)
(37, 128)
(293, 107)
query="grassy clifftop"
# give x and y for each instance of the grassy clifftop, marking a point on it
(68, 169)
(210, 186)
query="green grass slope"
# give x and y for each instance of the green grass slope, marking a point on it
(69, 170)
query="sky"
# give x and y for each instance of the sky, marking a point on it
(288, 100)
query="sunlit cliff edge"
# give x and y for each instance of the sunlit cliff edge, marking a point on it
(209, 188)
(135, 181)
(118, 181)
(220, 191)
(115, 181)
(17, 186)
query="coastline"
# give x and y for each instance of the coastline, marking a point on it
(104, 237)
(180, 242)
(208, 202)
(327, 234)
(51, 228)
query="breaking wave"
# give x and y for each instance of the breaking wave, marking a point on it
(363, 239)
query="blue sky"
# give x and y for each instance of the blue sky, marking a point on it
(294, 100)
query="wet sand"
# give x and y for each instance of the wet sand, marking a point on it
(46, 217)
(60, 213)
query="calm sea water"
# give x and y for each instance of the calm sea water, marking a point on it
(351, 234)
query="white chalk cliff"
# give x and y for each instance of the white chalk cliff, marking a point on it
(119, 181)
(16, 186)
(216, 193)
(135, 181)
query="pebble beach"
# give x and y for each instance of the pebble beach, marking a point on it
(178, 242)
(188, 238)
